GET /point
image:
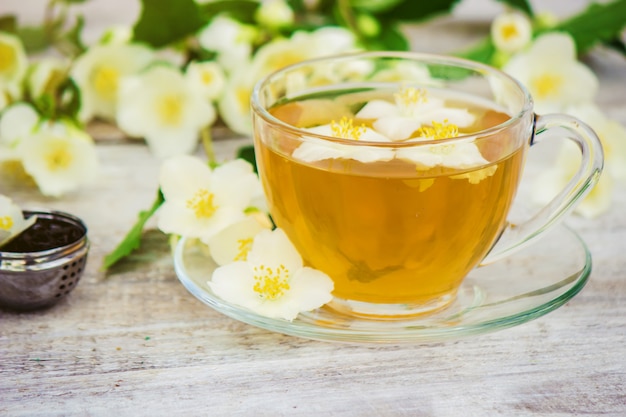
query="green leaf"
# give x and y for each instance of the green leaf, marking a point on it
(72, 36)
(375, 6)
(418, 10)
(35, 39)
(482, 52)
(522, 5)
(247, 154)
(132, 240)
(71, 98)
(390, 38)
(8, 23)
(163, 22)
(598, 23)
(617, 45)
(241, 10)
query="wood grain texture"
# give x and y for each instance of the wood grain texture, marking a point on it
(137, 343)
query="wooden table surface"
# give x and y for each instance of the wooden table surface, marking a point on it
(137, 343)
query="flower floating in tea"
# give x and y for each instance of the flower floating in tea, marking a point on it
(412, 108)
(457, 155)
(316, 149)
(200, 201)
(272, 281)
(12, 221)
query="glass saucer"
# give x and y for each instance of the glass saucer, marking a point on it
(522, 287)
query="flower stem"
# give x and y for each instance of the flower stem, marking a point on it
(207, 143)
(345, 10)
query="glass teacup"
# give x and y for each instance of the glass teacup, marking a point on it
(394, 173)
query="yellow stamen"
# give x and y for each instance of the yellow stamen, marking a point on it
(207, 77)
(270, 283)
(6, 223)
(443, 130)
(170, 109)
(546, 85)
(345, 129)
(8, 58)
(105, 82)
(244, 247)
(242, 95)
(408, 98)
(509, 31)
(202, 204)
(58, 155)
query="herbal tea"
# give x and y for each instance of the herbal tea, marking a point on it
(390, 223)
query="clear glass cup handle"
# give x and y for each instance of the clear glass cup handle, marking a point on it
(517, 236)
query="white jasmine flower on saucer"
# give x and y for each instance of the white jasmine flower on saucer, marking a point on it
(274, 14)
(317, 149)
(272, 281)
(235, 241)
(208, 77)
(231, 40)
(13, 64)
(199, 201)
(511, 31)
(552, 73)
(12, 220)
(412, 109)
(59, 157)
(16, 122)
(98, 73)
(161, 106)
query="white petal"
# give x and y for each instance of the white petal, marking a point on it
(599, 200)
(99, 89)
(312, 288)
(182, 176)
(12, 221)
(459, 117)
(422, 156)
(464, 155)
(316, 150)
(170, 142)
(397, 127)
(235, 184)
(376, 109)
(555, 46)
(76, 147)
(17, 121)
(273, 248)
(231, 245)
(234, 283)
(367, 154)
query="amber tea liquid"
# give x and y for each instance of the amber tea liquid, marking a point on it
(386, 232)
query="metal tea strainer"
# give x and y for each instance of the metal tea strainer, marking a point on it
(44, 263)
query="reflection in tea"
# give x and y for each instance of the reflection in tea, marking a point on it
(398, 226)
